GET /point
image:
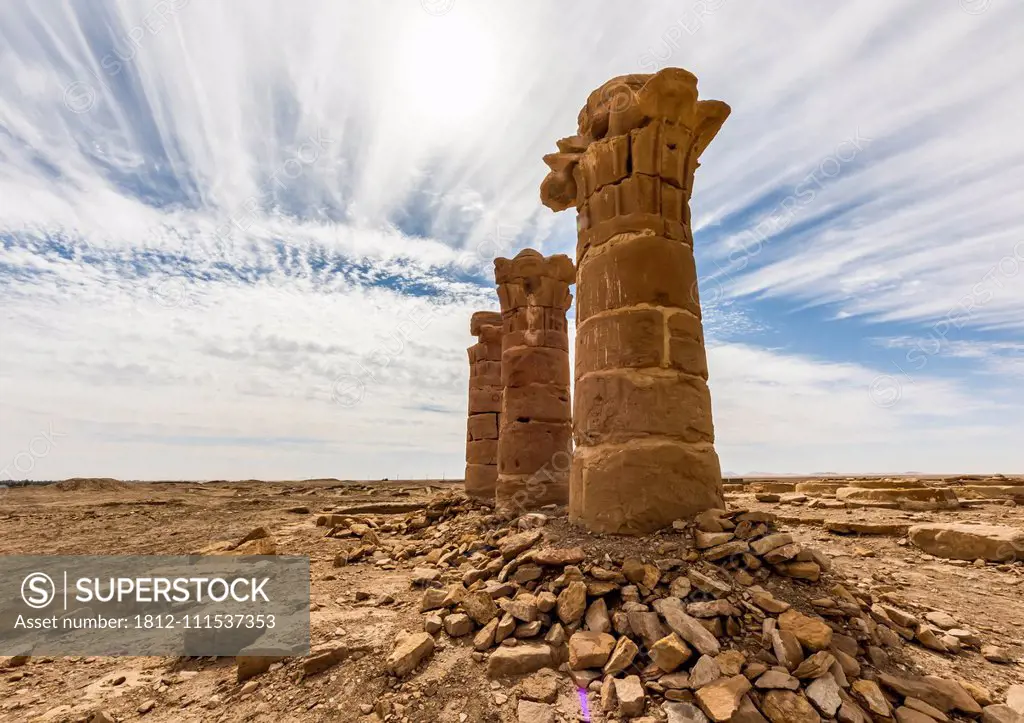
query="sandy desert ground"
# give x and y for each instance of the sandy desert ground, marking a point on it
(359, 607)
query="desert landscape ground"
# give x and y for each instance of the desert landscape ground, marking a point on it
(592, 566)
(386, 557)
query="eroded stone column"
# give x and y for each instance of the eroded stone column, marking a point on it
(645, 451)
(535, 442)
(484, 405)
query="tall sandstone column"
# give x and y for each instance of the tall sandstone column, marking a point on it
(484, 405)
(645, 451)
(535, 442)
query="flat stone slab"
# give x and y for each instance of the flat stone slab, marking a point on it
(891, 529)
(818, 489)
(923, 498)
(886, 484)
(958, 541)
(381, 508)
(990, 492)
(773, 487)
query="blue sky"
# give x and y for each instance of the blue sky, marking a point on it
(245, 239)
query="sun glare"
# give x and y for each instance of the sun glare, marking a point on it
(449, 70)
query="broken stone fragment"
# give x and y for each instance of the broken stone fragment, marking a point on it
(1000, 714)
(589, 650)
(479, 606)
(686, 627)
(684, 713)
(946, 695)
(868, 692)
(572, 602)
(433, 599)
(781, 554)
(516, 544)
(1015, 698)
(777, 680)
(458, 625)
(622, 656)
(519, 660)
(630, 695)
(559, 557)
(712, 608)
(784, 706)
(771, 542)
(409, 653)
(736, 547)
(597, 619)
(958, 541)
(721, 700)
(704, 672)
(787, 648)
(523, 608)
(995, 654)
(705, 540)
(323, 657)
(485, 637)
(541, 687)
(824, 694)
(670, 652)
(249, 666)
(529, 711)
(813, 633)
(764, 600)
(815, 666)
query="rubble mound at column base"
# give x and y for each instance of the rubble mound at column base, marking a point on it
(721, 618)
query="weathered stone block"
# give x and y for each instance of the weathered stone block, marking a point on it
(631, 270)
(483, 426)
(481, 480)
(535, 402)
(484, 451)
(633, 338)
(643, 485)
(617, 406)
(526, 447)
(523, 366)
(485, 399)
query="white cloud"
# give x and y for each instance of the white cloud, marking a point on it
(360, 153)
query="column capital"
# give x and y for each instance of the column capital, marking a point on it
(530, 264)
(480, 319)
(611, 141)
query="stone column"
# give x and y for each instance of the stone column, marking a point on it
(484, 405)
(645, 451)
(535, 443)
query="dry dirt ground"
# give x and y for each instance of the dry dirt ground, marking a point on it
(178, 518)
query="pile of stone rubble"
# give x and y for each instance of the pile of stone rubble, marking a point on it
(723, 619)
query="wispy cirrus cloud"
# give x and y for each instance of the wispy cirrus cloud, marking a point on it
(211, 213)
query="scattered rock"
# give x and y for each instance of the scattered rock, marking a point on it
(812, 633)
(530, 711)
(686, 627)
(409, 653)
(995, 654)
(670, 652)
(630, 695)
(958, 541)
(590, 650)
(824, 694)
(720, 700)
(542, 687)
(519, 660)
(622, 656)
(785, 706)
